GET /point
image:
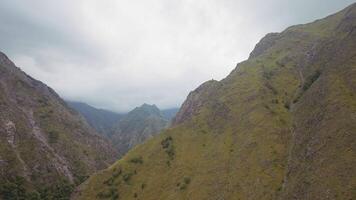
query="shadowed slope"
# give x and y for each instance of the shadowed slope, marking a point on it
(45, 147)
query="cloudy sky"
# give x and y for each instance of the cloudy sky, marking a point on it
(118, 54)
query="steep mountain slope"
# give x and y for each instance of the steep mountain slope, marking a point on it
(44, 145)
(101, 120)
(138, 125)
(280, 126)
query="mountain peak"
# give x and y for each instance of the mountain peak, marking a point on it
(148, 109)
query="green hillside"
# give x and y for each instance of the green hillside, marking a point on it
(280, 126)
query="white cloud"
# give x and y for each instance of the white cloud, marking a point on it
(118, 54)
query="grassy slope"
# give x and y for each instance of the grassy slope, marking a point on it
(279, 126)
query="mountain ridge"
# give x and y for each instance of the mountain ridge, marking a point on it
(45, 145)
(126, 130)
(100, 119)
(137, 126)
(279, 126)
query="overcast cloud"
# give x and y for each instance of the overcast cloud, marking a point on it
(118, 54)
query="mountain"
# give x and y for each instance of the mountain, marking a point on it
(101, 120)
(137, 126)
(45, 147)
(281, 125)
(126, 130)
(169, 114)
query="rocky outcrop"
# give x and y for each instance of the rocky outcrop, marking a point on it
(264, 44)
(195, 100)
(41, 139)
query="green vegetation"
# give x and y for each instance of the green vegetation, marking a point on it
(311, 80)
(136, 160)
(239, 138)
(45, 148)
(15, 188)
(184, 184)
(167, 145)
(112, 194)
(53, 136)
(127, 177)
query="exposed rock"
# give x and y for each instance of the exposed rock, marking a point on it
(41, 139)
(264, 44)
(10, 129)
(195, 100)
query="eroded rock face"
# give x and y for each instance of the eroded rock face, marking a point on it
(10, 129)
(265, 43)
(195, 100)
(41, 139)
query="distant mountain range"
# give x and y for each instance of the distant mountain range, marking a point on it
(126, 130)
(100, 119)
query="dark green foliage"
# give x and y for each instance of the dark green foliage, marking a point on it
(53, 136)
(61, 190)
(81, 179)
(117, 173)
(275, 101)
(287, 105)
(166, 142)
(186, 180)
(127, 177)
(184, 184)
(137, 160)
(43, 101)
(34, 196)
(296, 99)
(270, 87)
(311, 80)
(267, 75)
(112, 193)
(109, 181)
(167, 145)
(143, 186)
(13, 189)
(183, 187)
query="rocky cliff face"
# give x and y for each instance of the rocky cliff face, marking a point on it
(196, 100)
(280, 126)
(44, 145)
